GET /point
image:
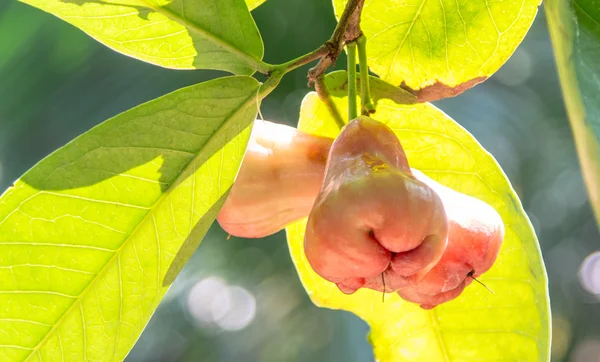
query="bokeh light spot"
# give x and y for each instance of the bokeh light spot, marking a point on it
(241, 310)
(211, 302)
(202, 298)
(589, 273)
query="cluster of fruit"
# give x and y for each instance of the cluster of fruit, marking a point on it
(373, 222)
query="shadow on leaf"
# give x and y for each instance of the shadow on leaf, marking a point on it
(143, 12)
(136, 152)
(158, 143)
(178, 34)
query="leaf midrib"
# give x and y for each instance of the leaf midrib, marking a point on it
(150, 214)
(438, 335)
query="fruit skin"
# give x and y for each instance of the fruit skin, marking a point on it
(476, 232)
(372, 216)
(281, 173)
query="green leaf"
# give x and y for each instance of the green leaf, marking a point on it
(511, 325)
(253, 4)
(442, 48)
(178, 34)
(337, 83)
(88, 236)
(575, 30)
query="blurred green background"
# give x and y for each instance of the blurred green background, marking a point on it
(241, 300)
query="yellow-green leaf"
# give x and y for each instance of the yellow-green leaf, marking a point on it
(253, 4)
(179, 34)
(513, 324)
(91, 236)
(441, 48)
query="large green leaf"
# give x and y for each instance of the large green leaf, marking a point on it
(441, 48)
(511, 325)
(253, 4)
(575, 30)
(179, 34)
(91, 236)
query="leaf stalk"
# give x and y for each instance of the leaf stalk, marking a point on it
(352, 105)
(367, 106)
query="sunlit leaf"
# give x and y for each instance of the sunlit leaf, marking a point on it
(575, 29)
(337, 83)
(512, 324)
(253, 4)
(180, 34)
(91, 236)
(441, 48)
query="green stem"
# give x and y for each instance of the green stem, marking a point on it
(267, 87)
(300, 61)
(351, 47)
(367, 106)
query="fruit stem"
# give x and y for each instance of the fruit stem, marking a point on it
(352, 112)
(367, 106)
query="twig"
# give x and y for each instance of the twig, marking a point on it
(353, 31)
(349, 20)
(286, 67)
(325, 97)
(348, 28)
